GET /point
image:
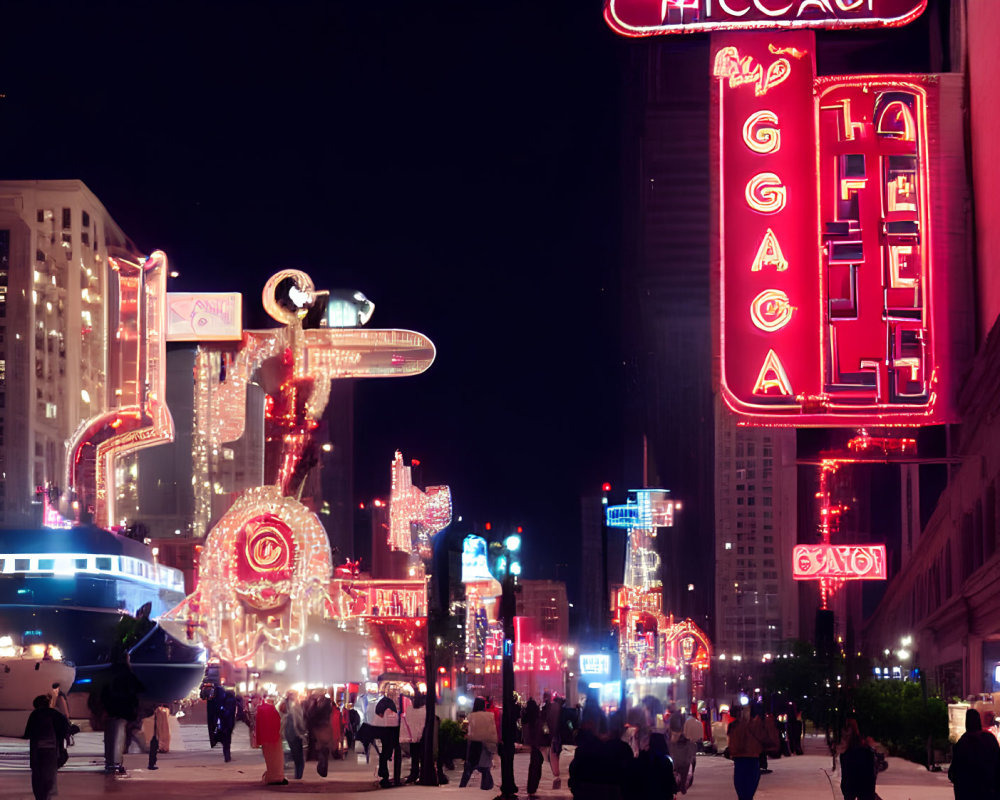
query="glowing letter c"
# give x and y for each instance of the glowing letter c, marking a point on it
(766, 193)
(760, 132)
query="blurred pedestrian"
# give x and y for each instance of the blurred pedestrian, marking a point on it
(120, 690)
(268, 726)
(975, 761)
(481, 745)
(321, 732)
(229, 711)
(551, 714)
(212, 706)
(411, 730)
(747, 740)
(532, 737)
(46, 732)
(857, 765)
(293, 727)
(161, 735)
(386, 729)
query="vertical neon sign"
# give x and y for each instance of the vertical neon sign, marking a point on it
(830, 311)
(769, 287)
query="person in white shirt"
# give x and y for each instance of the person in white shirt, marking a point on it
(411, 731)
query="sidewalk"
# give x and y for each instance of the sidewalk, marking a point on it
(199, 771)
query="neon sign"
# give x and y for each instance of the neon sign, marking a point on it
(595, 664)
(848, 561)
(830, 311)
(654, 17)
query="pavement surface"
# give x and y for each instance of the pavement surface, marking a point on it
(198, 771)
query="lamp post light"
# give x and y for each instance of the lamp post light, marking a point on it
(506, 569)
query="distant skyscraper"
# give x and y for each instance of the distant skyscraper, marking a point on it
(666, 297)
(756, 600)
(57, 295)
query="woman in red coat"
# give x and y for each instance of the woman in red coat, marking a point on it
(337, 724)
(268, 727)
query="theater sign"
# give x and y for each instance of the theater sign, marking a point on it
(831, 310)
(654, 17)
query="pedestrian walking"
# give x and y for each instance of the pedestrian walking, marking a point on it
(975, 762)
(119, 693)
(321, 732)
(481, 745)
(411, 730)
(551, 713)
(293, 727)
(212, 706)
(268, 726)
(857, 765)
(229, 710)
(747, 740)
(46, 732)
(533, 738)
(386, 730)
(160, 740)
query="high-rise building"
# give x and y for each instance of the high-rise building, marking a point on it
(756, 600)
(58, 295)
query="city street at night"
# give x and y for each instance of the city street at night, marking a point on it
(198, 771)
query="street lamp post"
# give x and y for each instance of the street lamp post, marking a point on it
(506, 569)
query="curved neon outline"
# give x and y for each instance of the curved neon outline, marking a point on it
(783, 317)
(762, 139)
(766, 193)
(909, 124)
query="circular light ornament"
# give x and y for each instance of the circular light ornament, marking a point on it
(771, 310)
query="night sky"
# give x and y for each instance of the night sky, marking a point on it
(459, 162)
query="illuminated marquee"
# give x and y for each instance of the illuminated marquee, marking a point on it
(848, 561)
(830, 310)
(654, 17)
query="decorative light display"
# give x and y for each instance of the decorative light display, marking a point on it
(475, 567)
(264, 567)
(830, 309)
(653, 17)
(137, 416)
(595, 664)
(650, 644)
(415, 515)
(266, 564)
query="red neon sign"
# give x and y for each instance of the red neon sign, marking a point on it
(830, 311)
(846, 561)
(654, 17)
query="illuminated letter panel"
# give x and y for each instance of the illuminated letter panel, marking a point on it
(875, 253)
(769, 290)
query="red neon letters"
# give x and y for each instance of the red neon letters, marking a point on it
(830, 311)
(652, 17)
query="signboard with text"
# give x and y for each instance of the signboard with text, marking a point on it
(655, 17)
(848, 561)
(829, 309)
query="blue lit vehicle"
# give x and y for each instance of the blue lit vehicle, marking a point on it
(84, 590)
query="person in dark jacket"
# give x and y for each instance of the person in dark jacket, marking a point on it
(120, 699)
(212, 706)
(47, 731)
(857, 765)
(229, 709)
(654, 771)
(532, 736)
(321, 732)
(975, 762)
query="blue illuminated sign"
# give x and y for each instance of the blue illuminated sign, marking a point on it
(595, 664)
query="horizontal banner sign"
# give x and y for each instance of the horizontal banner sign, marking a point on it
(849, 561)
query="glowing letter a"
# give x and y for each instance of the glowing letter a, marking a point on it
(769, 254)
(772, 375)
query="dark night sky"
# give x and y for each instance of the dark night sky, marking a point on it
(456, 161)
